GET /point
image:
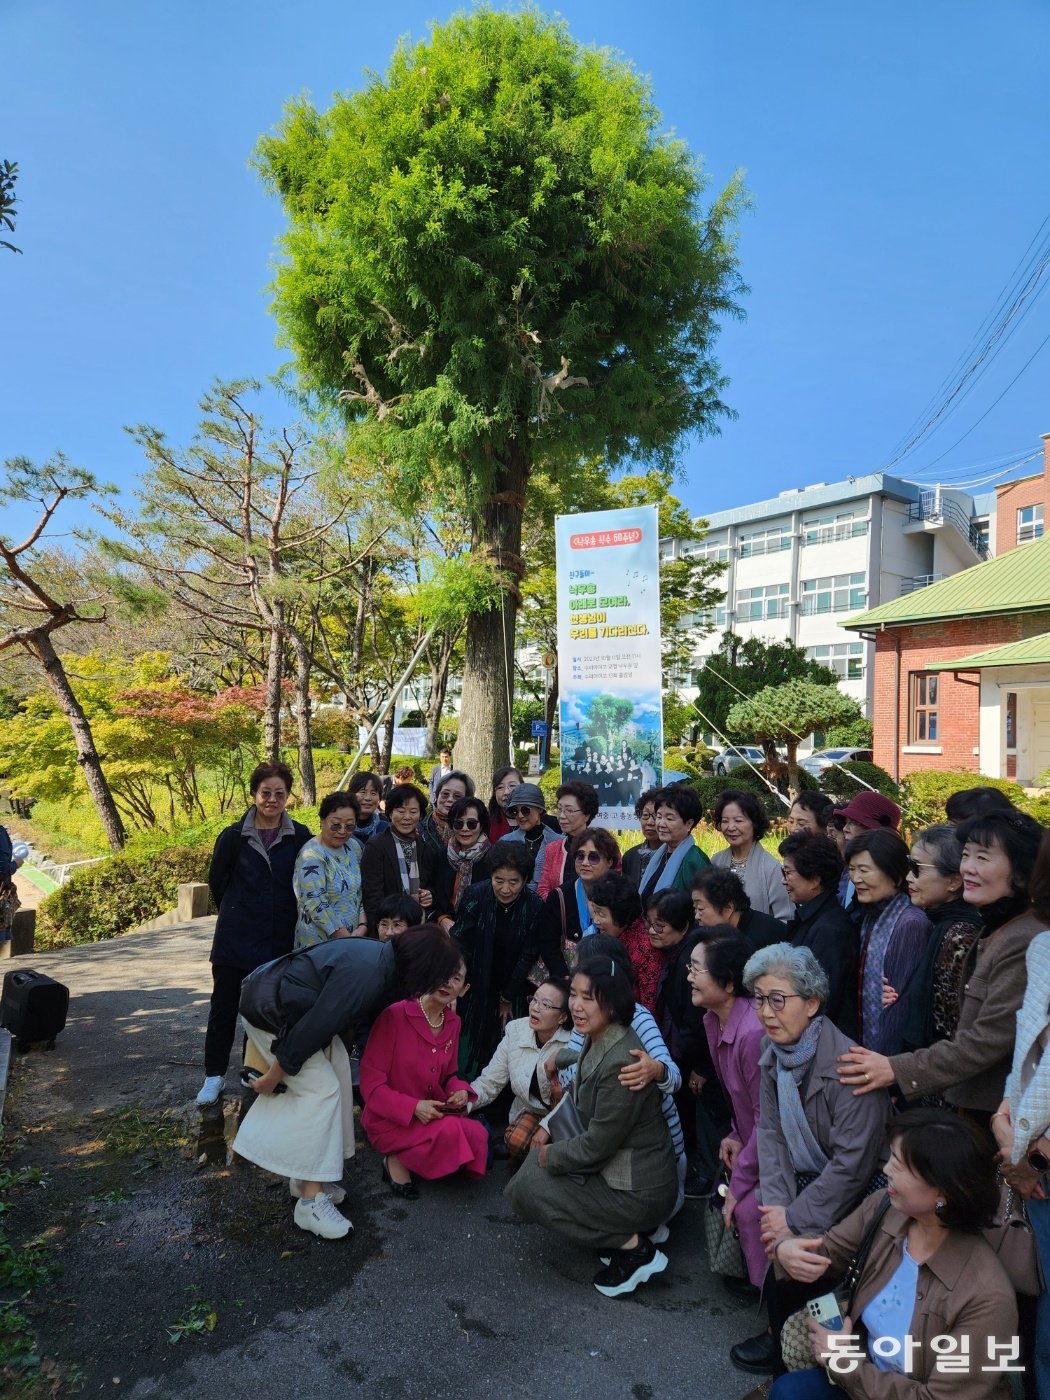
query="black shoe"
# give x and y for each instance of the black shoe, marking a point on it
(741, 1288)
(627, 1268)
(697, 1185)
(407, 1190)
(757, 1355)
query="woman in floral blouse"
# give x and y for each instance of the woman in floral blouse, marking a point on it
(327, 879)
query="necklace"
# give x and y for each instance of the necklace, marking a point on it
(433, 1026)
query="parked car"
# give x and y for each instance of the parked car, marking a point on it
(821, 760)
(737, 756)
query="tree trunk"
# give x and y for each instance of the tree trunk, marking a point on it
(484, 740)
(388, 741)
(551, 708)
(272, 711)
(439, 665)
(87, 754)
(303, 665)
(792, 764)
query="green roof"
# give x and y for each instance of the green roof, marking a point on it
(1018, 581)
(1032, 651)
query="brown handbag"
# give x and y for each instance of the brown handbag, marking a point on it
(1013, 1240)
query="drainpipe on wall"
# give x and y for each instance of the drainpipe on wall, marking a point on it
(896, 707)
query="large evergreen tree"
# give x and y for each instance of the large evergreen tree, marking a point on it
(497, 260)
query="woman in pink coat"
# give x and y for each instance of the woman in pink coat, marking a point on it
(415, 1102)
(735, 1035)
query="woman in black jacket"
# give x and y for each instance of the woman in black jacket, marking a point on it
(251, 882)
(398, 861)
(812, 870)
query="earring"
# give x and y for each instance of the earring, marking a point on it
(939, 1207)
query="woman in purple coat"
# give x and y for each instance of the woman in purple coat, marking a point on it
(415, 1101)
(893, 938)
(735, 1035)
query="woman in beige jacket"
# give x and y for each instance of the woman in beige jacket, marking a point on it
(933, 1314)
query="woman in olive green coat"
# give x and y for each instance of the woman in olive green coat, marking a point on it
(614, 1183)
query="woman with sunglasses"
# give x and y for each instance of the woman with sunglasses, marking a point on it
(978, 980)
(593, 853)
(520, 1061)
(499, 927)
(457, 868)
(577, 806)
(435, 828)
(526, 806)
(820, 1149)
(327, 876)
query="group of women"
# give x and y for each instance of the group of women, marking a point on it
(858, 1029)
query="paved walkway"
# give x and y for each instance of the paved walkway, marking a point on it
(443, 1299)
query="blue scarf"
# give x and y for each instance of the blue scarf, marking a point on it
(670, 870)
(877, 931)
(792, 1061)
(584, 909)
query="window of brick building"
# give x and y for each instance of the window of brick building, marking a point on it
(922, 728)
(1029, 523)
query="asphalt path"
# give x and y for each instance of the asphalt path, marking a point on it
(450, 1296)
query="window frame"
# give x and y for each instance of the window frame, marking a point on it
(923, 706)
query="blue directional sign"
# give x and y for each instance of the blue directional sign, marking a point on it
(539, 728)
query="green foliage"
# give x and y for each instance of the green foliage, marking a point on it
(1039, 808)
(856, 735)
(688, 761)
(842, 782)
(499, 209)
(924, 794)
(524, 712)
(457, 589)
(101, 901)
(709, 786)
(680, 719)
(749, 666)
(8, 200)
(550, 780)
(785, 714)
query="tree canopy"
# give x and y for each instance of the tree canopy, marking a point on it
(495, 258)
(748, 666)
(785, 714)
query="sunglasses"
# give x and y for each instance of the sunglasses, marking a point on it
(589, 857)
(466, 824)
(914, 866)
(342, 826)
(521, 811)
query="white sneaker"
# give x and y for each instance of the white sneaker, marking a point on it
(211, 1089)
(320, 1217)
(332, 1189)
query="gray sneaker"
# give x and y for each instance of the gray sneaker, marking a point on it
(332, 1189)
(320, 1217)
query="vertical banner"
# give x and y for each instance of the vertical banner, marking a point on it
(609, 669)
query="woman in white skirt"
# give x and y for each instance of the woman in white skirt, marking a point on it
(301, 1125)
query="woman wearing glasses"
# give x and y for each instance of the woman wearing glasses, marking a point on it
(978, 980)
(520, 1061)
(457, 867)
(499, 928)
(526, 806)
(819, 1147)
(504, 781)
(577, 807)
(327, 877)
(593, 853)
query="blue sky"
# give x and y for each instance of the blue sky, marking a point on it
(896, 154)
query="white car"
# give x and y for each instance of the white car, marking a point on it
(819, 762)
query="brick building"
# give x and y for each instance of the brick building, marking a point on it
(1022, 507)
(962, 668)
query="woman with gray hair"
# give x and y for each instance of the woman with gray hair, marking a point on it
(820, 1148)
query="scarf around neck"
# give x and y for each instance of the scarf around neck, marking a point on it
(653, 885)
(584, 910)
(408, 862)
(792, 1062)
(365, 830)
(460, 860)
(878, 930)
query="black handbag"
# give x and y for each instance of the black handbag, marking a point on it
(564, 1120)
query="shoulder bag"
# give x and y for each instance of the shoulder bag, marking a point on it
(724, 1255)
(1013, 1241)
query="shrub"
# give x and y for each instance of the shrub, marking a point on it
(101, 901)
(842, 781)
(709, 786)
(923, 795)
(689, 761)
(1039, 808)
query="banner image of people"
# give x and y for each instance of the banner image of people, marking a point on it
(609, 670)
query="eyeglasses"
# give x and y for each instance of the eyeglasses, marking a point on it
(521, 811)
(695, 970)
(777, 1000)
(588, 857)
(561, 811)
(269, 795)
(914, 866)
(544, 1005)
(341, 826)
(466, 824)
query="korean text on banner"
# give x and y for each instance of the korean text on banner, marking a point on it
(609, 674)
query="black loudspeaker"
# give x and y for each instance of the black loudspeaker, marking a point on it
(33, 1007)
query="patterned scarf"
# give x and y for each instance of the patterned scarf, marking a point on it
(792, 1061)
(408, 860)
(875, 939)
(461, 861)
(364, 831)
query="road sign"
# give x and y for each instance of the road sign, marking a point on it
(539, 728)
(550, 660)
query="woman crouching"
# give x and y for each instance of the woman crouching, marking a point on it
(616, 1178)
(415, 1102)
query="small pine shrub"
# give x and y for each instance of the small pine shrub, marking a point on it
(842, 782)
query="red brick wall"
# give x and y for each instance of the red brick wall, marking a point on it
(1014, 496)
(958, 701)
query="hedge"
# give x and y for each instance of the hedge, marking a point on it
(101, 901)
(842, 781)
(924, 794)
